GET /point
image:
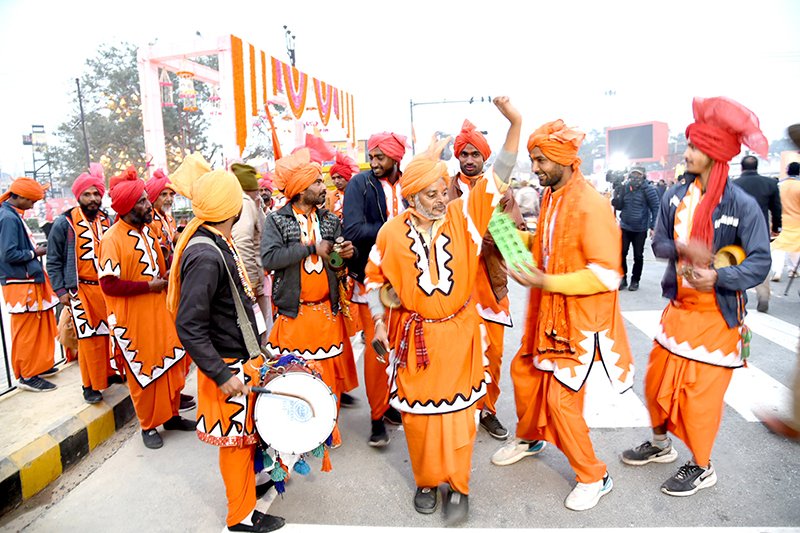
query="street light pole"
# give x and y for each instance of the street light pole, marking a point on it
(472, 100)
(290, 45)
(83, 123)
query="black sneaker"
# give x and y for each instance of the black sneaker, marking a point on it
(262, 523)
(492, 425)
(52, 372)
(114, 379)
(379, 438)
(180, 423)
(623, 284)
(456, 508)
(634, 286)
(647, 452)
(347, 401)
(36, 384)
(392, 416)
(187, 405)
(152, 439)
(91, 396)
(425, 500)
(689, 479)
(187, 398)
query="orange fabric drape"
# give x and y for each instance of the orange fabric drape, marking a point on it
(160, 400)
(236, 466)
(237, 58)
(33, 342)
(494, 353)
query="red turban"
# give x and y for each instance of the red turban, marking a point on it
(469, 135)
(125, 190)
(425, 169)
(26, 188)
(94, 178)
(720, 127)
(558, 143)
(266, 181)
(319, 151)
(296, 172)
(345, 166)
(156, 185)
(392, 144)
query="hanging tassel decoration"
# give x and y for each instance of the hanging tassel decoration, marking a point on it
(329, 441)
(301, 467)
(319, 451)
(336, 436)
(279, 475)
(326, 462)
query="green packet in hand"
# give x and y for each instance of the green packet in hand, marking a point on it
(508, 241)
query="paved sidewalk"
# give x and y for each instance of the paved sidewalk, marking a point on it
(44, 434)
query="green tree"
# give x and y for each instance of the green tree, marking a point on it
(593, 147)
(111, 100)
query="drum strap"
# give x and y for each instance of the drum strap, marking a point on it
(245, 326)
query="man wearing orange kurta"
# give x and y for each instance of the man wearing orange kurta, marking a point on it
(573, 319)
(132, 277)
(297, 244)
(26, 290)
(702, 330)
(430, 256)
(491, 286)
(208, 325)
(72, 264)
(161, 195)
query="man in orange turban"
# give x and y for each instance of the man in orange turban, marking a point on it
(297, 243)
(702, 331)
(209, 327)
(491, 286)
(26, 289)
(133, 279)
(374, 197)
(573, 315)
(341, 171)
(429, 255)
(161, 194)
(73, 251)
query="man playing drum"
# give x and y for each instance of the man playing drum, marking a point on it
(207, 325)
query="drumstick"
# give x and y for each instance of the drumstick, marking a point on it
(262, 390)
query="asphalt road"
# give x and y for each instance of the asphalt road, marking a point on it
(179, 488)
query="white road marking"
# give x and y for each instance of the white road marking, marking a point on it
(372, 529)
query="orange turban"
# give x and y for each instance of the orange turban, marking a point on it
(344, 166)
(392, 144)
(94, 178)
(470, 135)
(216, 196)
(192, 167)
(156, 185)
(26, 188)
(296, 172)
(425, 169)
(125, 190)
(558, 143)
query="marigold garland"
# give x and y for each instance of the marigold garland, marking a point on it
(336, 102)
(347, 100)
(276, 76)
(264, 76)
(353, 118)
(324, 94)
(341, 106)
(296, 89)
(253, 91)
(240, 111)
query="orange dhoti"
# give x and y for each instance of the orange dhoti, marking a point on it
(160, 399)
(33, 330)
(90, 317)
(440, 447)
(688, 396)
(495, 334)
(376, 377)
(219, 422)
(547, 410)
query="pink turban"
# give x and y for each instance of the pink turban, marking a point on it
(345, 166)
(94, 178)
(126, 189)
(558, 143)
(470, 135)
(266, 181)
(296, 172)
(156, 185)
(392, 144)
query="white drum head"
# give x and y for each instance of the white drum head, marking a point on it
(286, 423)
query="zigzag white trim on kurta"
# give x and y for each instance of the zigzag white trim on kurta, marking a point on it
(488, 314)
(320, 353)
(609, 359)
(82, 328)
(608, 277)
(430, 408)
(136, 366)
(701, 353)
(108, 269)
(33, 307)
(484, 349)
(145, 241)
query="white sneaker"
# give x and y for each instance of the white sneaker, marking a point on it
(516, 449)
(586, 495)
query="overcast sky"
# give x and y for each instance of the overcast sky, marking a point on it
(555, 59)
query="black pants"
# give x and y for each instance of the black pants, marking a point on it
(636, 238)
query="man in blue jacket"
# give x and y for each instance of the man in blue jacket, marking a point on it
(637, 200)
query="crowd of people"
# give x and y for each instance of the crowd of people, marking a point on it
(278, 265)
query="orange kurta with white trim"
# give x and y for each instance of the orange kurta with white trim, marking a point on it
(436, 280)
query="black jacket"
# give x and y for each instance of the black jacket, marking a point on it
(283, 251)
(62, 265)
(206, 321)
(363, 214)
(639, 207)
(765, 191)
(18, 261)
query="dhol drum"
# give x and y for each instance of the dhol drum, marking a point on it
(289, 424)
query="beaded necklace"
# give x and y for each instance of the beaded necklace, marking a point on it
(248, 289)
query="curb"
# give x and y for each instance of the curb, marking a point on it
(27, 471)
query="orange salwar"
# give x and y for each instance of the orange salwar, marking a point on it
(94, 360)
(495, 334)
(160, 400)
(547, 410)
(33, 332)
(376, 377)
(689, 397)
(236, 466)
(440, 448)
